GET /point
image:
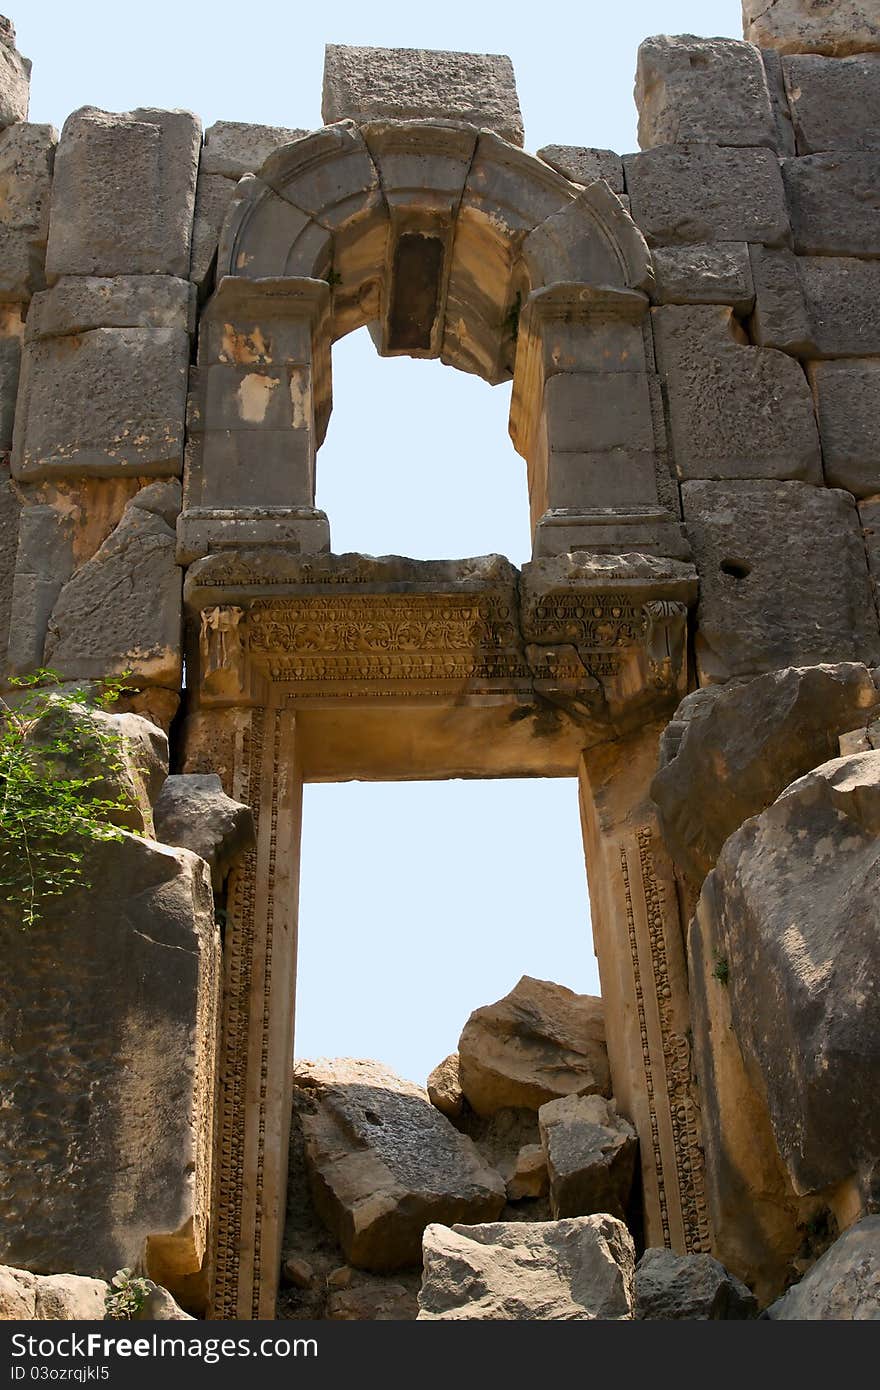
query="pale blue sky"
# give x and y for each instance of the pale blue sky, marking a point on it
(420, 901)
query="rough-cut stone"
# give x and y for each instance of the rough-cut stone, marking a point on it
(444, 1087)
(848, 408)
(214, 197)
(27, 156)
(10, 509)
(694, 1287)
(539, 1042)
(581, 1268)
(842, 1286)
(80, 303)
(69, 1298)
(795, 900)
(193, 812)
(835, 102)
(735, 411)
(134, 583)
(17, 1294)
(530, 1178)
(108, 1018)
(124, 192)
(383, 1163)
(780, 319)
(834, 202)
(702, 91)
(405, 84)
(584, 165)
(783, 578)
(236, 148)
(842, 296)
(730, 750)
(714, 274)
(15, 77)
(43, 564)
(159, 1306)
(591, 1156)
(813, 26)
(686, 194)
(381, 1301)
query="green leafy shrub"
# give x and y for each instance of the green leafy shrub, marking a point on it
(126, 1295)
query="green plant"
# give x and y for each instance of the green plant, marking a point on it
(722, 970)
(333, 278)
(126, 1295)
(56, 791)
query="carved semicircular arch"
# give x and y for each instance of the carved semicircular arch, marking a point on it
(432, 233)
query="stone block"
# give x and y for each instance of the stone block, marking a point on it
(692, 1287)
(444, 1087)
(10, 507)
(70, 1298)
(598, 411)
(834, 102)
(214, 197)
(702, 91)
(584, 165)
(124, 194)
(869, 516)
(783, 578)
(407, 84)
(813, 26)
(848, 406)
(43, 564)
(780, 319)
(80, 303)
(236, 148)
(834, 201)
(735, 411)
(193, 812)
(591, 1156)
(15, 77)
(27, 157)
(10, 365)
(842, 1286)
(842, 296)
(687, 194)
(785, 141)
(709, 274)
(110, 402)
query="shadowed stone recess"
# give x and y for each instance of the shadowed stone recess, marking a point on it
(843, 1286)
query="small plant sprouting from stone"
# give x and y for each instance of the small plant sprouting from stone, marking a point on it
(511, 321)
(48, 813)
(126, 1296)
(721, 971)
(333, 278)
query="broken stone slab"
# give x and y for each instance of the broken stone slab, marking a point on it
(702, 91)
(842, 295)
(15, 77)
(444, 1087)
(27, 157)
(712, 274)
(834, 203)
(783, 578)
(236, 148)
(124, 193)
(731, 749)
(847, 398)
(82, 303)
(591, 1156)
(530, 1178)
(69, 1298)
(383, 1163)
(539, 1042)
(193, 812)
(581, 1268)
(215, 196)
(842, 1286)
(804, 1008)
(695, 1287)
(411, 84)
(159, 1306)
(108, 1067)
(781, 319)
(834, 102)
(133, 581)
(735, 411)
(687, 194)
(584, 165)
(812, 26)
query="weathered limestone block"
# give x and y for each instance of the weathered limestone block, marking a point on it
(444, 1087)
(796, 897)
(735, 411)
(783, 578)
(124, 192)
(712, 274)
(383, 1163)
(834, 202)
(539, 1042)
(834, 102)
(236, 148)
(79, 304)
(69, 1298)
(10, 366)
(584, 165)
(580, 1268)
(15, 77)
(215, 195)
(10, 508)
(43, 564)
(686, 194)
(842, 1286)
(133, 582)
(17, 1294)
(529, 1177)
(27, 157)
(193, 812)
(730, 750)
(695, 1287)
(842, 295)
(781, 318)
(591, 1156)
(702, 91)
(848, 408)
(813, 26)
(109, 1017)
(407, 84)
